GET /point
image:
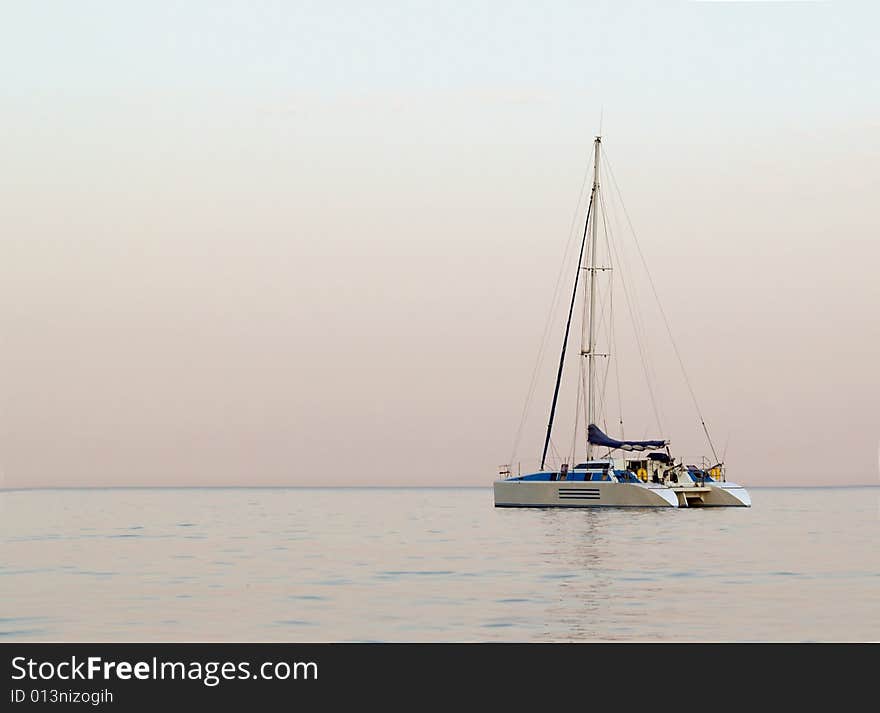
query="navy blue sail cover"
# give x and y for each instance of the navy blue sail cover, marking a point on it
(597, 438)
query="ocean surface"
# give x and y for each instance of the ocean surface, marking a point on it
(803, 564)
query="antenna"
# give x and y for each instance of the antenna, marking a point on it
(724, 452)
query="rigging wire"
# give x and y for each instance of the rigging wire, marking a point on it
(586, 412)
(567, 329)
(602, 316)
(639, 327)
(577, 407)
(612, 345)
(724, 452)
(640, 330)
(638, 338)
(583, 375)
(618, 253)
(662, 312)
(557, 293)
(554, 452)
(606, 310)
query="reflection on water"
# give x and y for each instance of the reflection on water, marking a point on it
(433, 565)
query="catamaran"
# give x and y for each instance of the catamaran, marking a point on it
(614, 472)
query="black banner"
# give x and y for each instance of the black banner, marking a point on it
(150, 677)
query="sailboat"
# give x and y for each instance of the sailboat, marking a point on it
(614, 472)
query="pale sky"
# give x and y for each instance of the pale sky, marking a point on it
(279, 243)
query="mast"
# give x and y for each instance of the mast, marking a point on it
(591, 268)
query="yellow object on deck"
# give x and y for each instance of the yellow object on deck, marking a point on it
(643, 475)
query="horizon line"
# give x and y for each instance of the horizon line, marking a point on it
(359, 487)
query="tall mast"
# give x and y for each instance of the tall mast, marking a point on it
(588, 352)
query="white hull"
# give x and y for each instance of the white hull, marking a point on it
(581, 494)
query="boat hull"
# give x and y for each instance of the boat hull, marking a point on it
(727, 495)
(580, 494)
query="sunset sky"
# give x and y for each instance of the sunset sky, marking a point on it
(281, 243)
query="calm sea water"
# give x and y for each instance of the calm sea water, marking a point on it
(433, 565)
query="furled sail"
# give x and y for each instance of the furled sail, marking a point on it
(597, 438)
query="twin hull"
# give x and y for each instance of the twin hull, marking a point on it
(562, 493)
